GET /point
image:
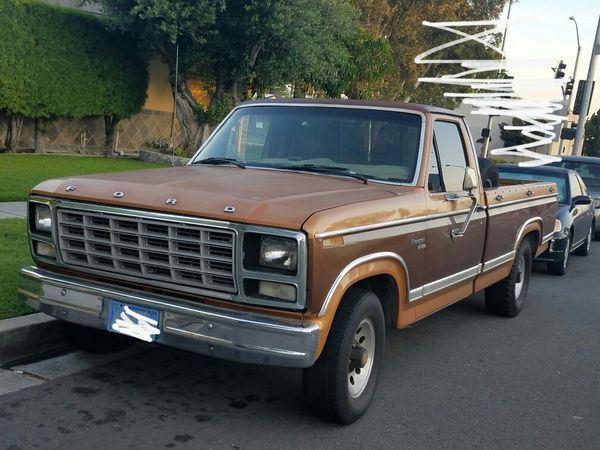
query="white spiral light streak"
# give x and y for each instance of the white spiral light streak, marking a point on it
(498, 96)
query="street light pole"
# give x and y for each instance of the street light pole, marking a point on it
(569, 106)
(571, 97)
(488, 138)
(587, 94)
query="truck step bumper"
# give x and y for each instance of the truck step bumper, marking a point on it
(210, 331)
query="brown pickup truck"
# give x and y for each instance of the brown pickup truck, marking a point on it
(295, 236)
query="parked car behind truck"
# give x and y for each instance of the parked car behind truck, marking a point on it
(588, 167)
(294, 237)
(575, 215)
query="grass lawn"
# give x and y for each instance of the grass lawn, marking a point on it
(20, 172)
(14, 254)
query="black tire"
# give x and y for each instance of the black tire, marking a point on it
(560, 267)
(328, 383)
(96, 341)
(507, 296)
(584, 249)
(597, 236)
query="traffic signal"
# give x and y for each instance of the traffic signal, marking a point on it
(559, 70)
(569, 87)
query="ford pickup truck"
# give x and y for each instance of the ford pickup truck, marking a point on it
(295, 236)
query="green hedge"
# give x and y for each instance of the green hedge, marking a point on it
(56, 61)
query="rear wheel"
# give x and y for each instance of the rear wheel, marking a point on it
(341, 384)
(507, 296)
(560, 267)
(93, 340)
(584, 249)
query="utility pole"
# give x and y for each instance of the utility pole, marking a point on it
(486, 140)
(587, 94)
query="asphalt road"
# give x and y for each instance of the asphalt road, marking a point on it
(459, 379)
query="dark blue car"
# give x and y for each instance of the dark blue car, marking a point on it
(575, 215)
(588, 168)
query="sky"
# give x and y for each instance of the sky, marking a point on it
(542, 29)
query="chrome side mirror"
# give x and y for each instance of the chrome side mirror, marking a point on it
(470, 180)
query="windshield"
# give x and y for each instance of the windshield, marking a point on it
(560, 181)
(589, 172)
(375, 144)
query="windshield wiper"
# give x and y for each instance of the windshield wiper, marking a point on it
(217, 161)
(333, 170)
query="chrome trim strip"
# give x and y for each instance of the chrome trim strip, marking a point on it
(356, 263)
(392, 223)
(535, 201)
(444, 283)
(230, 343)
(522, 229)
(498, 261)
(339, 106)
(547, 237)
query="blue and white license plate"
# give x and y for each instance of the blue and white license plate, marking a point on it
(135, 321)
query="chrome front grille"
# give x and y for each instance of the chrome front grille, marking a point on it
(181, 253)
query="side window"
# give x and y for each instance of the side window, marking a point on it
(575, 188)
(451, 151)
(582, 186)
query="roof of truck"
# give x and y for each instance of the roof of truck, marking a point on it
(367, 103)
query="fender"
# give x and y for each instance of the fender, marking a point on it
(381, 263)
(533, 224)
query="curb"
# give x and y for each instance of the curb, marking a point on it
(29, 337)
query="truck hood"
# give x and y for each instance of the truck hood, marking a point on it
(267, 197)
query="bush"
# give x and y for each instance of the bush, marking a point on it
(61, 62)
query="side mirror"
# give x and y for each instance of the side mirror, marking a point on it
(582, 200)
(470, 180)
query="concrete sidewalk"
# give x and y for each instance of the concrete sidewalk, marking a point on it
(10, 210)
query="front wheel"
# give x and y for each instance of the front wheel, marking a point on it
(341, 384)
(507, 296)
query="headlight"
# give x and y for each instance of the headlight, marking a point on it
(279, 253)
(43, 218)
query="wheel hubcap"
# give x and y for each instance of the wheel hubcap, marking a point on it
(567, 253)
(520, 279)
(361, 358)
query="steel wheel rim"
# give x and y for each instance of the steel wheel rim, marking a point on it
(359, 378)
(567, 252)
(520, 275)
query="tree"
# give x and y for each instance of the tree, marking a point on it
(56, 62)
(591, 143)
(400, 21)
(513, 137)
(233, 45)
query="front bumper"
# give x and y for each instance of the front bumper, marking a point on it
(217, 332)
(555, 252)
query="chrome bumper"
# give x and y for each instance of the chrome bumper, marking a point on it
(221, 333)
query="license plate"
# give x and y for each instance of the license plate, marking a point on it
(135, 321)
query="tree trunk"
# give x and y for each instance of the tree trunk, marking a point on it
(111, 124)
(188, 120)
(14, 123)
(39, 136)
